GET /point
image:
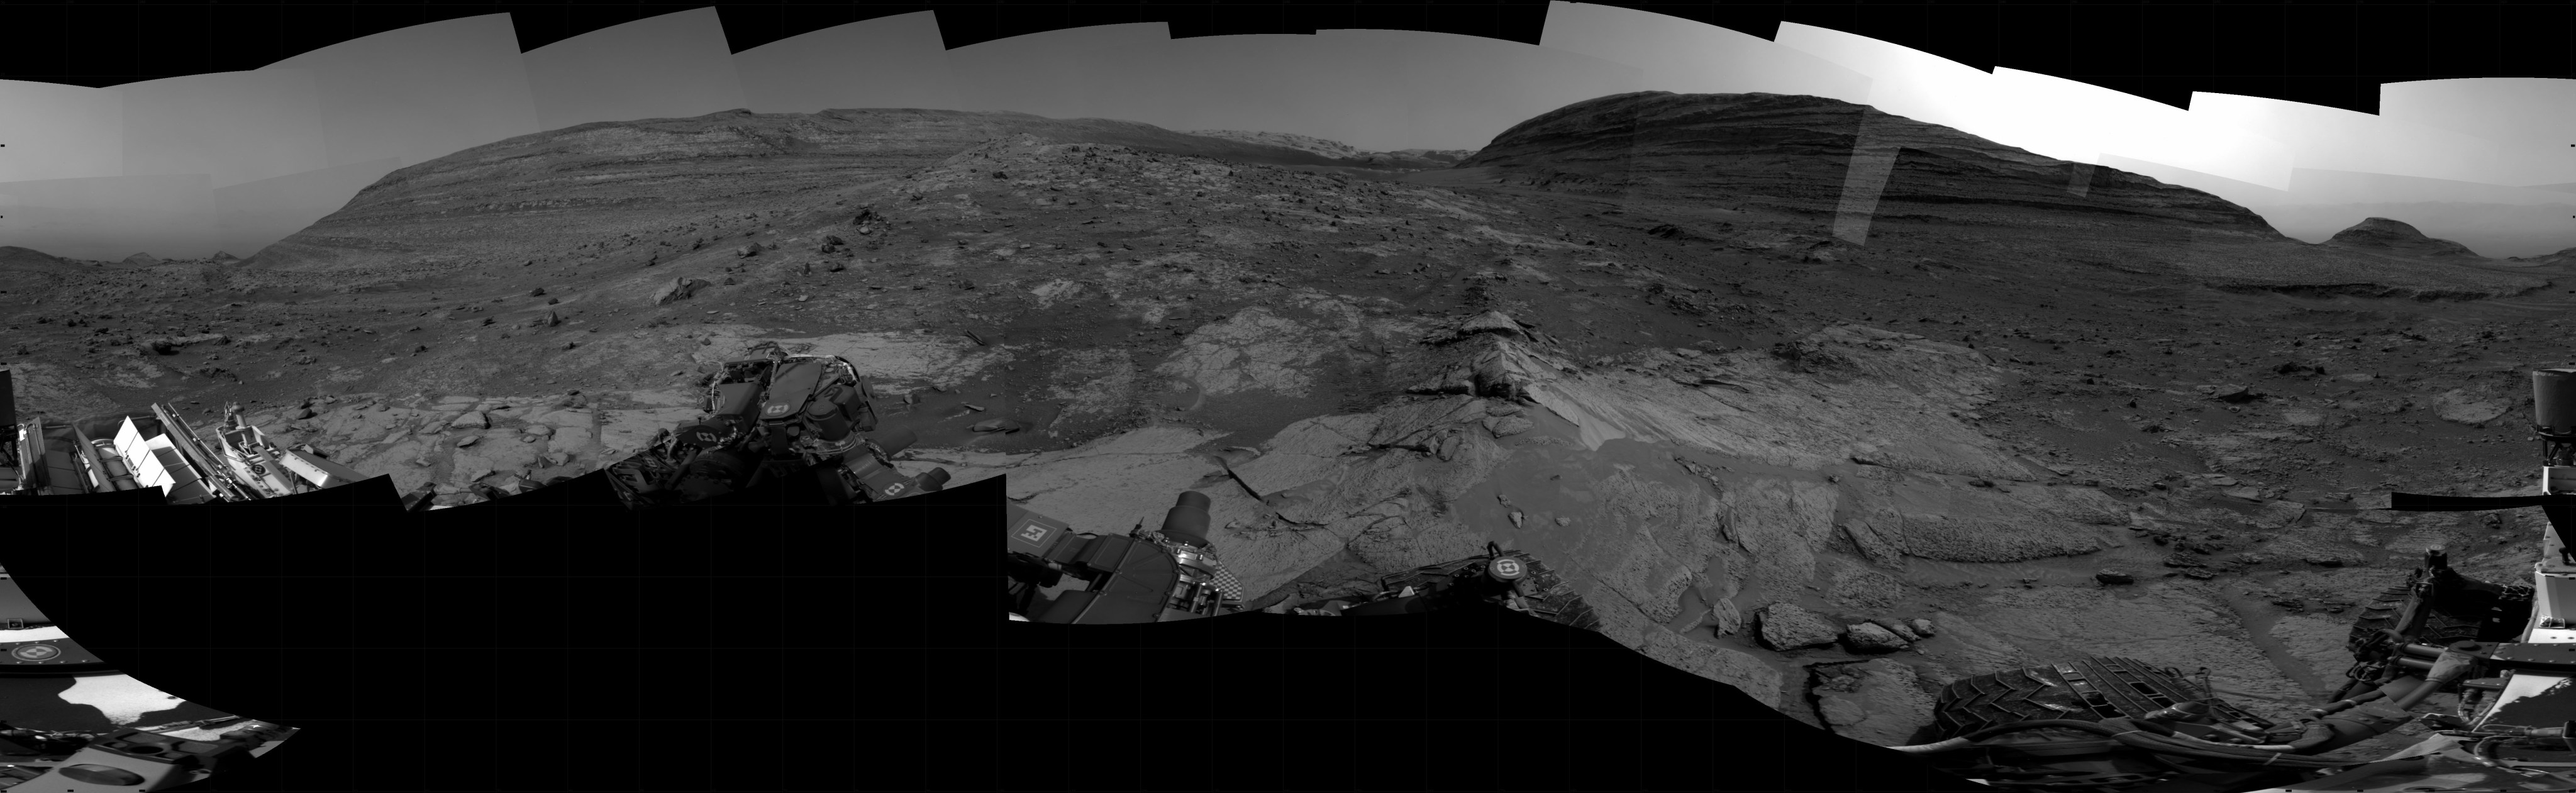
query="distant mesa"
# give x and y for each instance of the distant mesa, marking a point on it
(2397, 237)
(142, 259)
(221, 256)
(2563, 254)
(1793, 153)
(1411, 159)
(1329, 148)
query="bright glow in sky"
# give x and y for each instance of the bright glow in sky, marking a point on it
(185, 166)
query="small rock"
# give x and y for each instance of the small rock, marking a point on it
(995, 425)
(1507, 426)
(1564, 521)
(2115, 577)
(469, 441)
(1516, 519)
(1898, 627)
(1786, 626)
(1870, 638)
(537, 292)
(745, 251)
(558, 459)
(541, 430)
(553, 300)
(481, 475)
(2325, 561)
(1922, 627)
(303, 413)
(2234, 393)
(473, 419)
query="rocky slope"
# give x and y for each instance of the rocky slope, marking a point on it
(1407, 159)
(1707, 158)
(1761, 454)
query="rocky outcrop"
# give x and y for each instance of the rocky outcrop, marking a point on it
(1878, 701)
(1786, 626)
(678, 290)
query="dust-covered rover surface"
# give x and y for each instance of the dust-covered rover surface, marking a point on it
(156, 449)
(772, 419)
(2508, 652)
(800, 419)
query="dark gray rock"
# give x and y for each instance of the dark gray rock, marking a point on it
(1871, 638)
(1786, 626)
(1877, 701)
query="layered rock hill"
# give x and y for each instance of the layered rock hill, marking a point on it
(1998, 432)
(1713, 154)
(2389, 236)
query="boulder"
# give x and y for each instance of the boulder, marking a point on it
(1871, 638)
(2233, 393)
(746, 251)
(540, 430)
(473, 419)
(2108, 577)
(1878, 701)
(1507, 426)
(537, 292)
(679, 289)
(1786, 626)
(1922, 627)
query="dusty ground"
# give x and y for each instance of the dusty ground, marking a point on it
(1713, 404)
